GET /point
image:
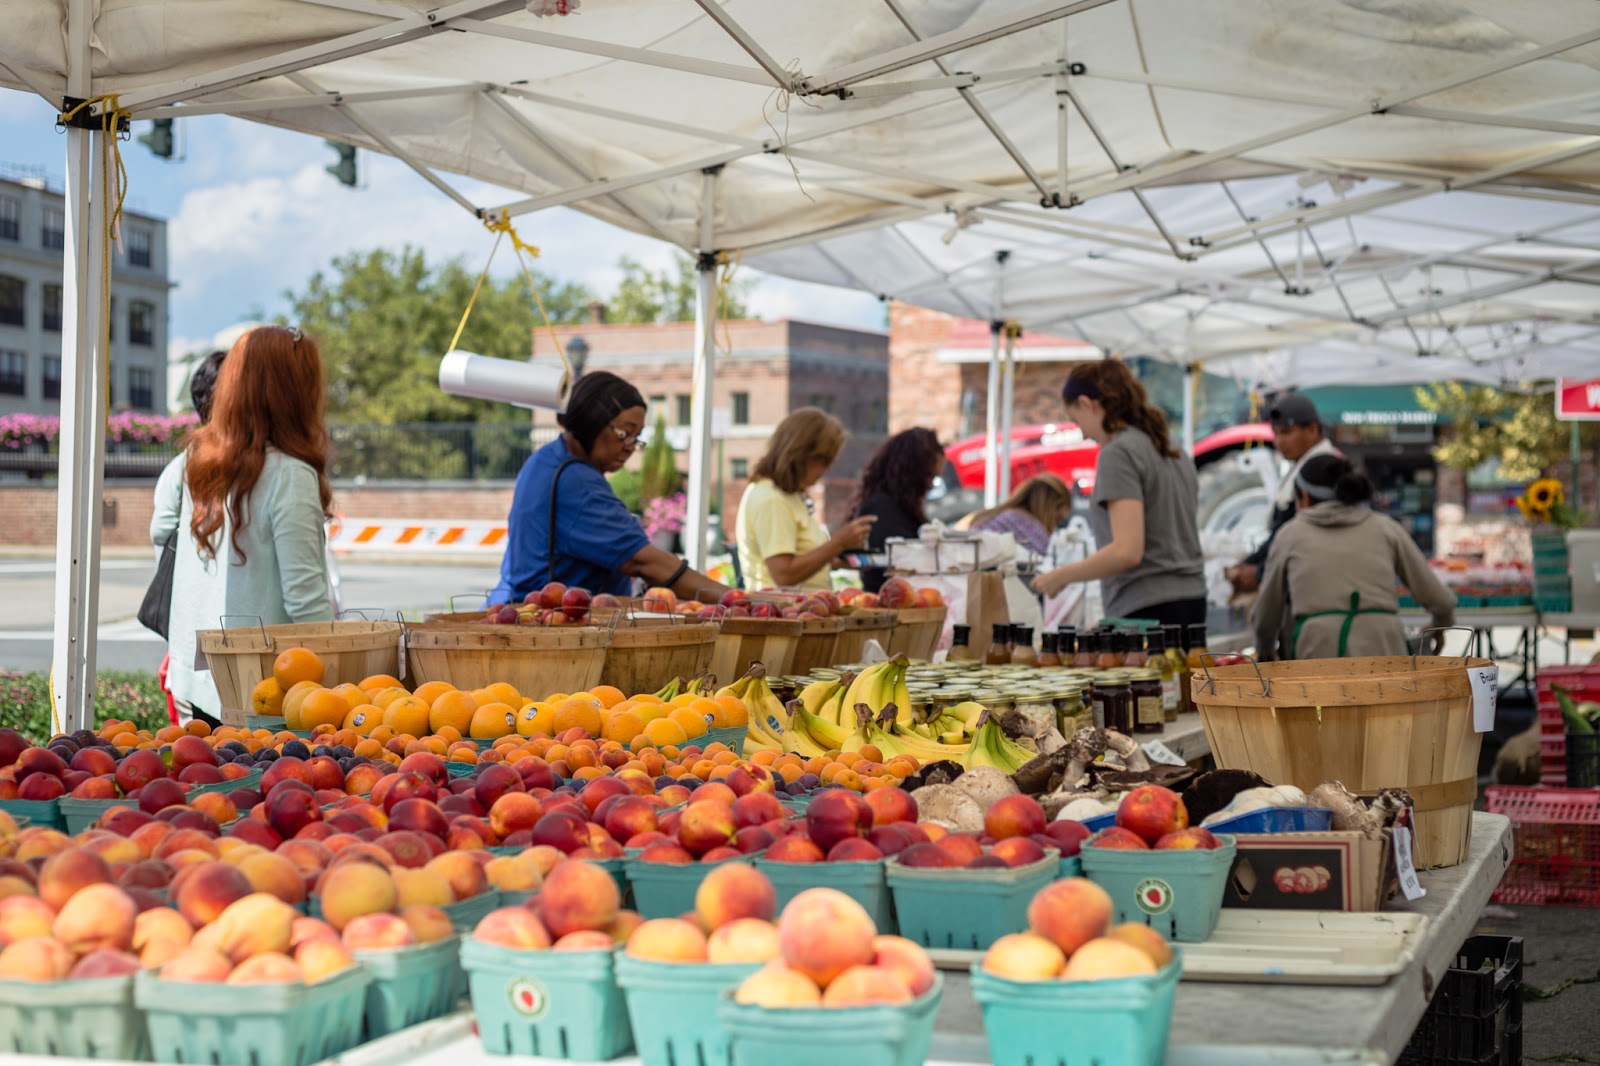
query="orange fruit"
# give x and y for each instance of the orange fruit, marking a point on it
(449, 734)
(292, 700)
(734, 711)
(870, 753)
(693, 725)
(363, 719)
(664, 731)
(432, 690)
(536, 720)
(451, 710)
(500, 692)
(267, 698)
(384, 697)
(377, 683)
(578, 713)
(323, 707)
(297, 664)
(407, 715)
(621, 726)
(198, 728)
(493, 720)
(352, 694)
(608, 696)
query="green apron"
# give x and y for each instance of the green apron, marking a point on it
(1344, 630)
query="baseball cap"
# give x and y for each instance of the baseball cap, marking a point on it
(1293, 409)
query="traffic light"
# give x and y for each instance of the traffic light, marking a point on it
(159, 139)
(345, 168)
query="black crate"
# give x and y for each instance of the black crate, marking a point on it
(1583, 760)
(1476, 1015)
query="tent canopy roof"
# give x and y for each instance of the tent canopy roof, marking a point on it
(1318, 190)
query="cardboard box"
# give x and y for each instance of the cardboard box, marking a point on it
(1331, 871)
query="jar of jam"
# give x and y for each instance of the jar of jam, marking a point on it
(1149, 716)
(1113, 704)
(1022, 652)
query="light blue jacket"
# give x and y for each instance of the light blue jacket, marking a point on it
(281, 579)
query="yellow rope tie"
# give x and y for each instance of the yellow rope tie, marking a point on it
(502, 228)
(724, 293)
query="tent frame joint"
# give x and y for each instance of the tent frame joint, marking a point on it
(86, 119)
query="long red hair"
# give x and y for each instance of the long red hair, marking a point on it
(269, 392)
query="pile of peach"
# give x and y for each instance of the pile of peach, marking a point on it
(1070, 937)
(113, 764)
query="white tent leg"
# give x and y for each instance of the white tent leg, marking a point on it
(1190, 381)
(991, 423)
(697, 520)
(83, 407)
(1008, 403)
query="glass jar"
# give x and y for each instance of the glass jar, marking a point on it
(1113, 704)
(1194, 653)
(998, 651)
(1148, 713)
(960, 636)
(1067, 644)
(1022, 653)
(1071, 714)
(1038, 707)
(1167, 671)
(1110, 657)
(1133, 643)
(1048, 655)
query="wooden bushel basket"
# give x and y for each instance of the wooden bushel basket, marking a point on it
(535, 660)
(1372, 723)
(818, 646)
(769, 641)
(859, 627)
(916, 632)
(649, 650)
(240, 659)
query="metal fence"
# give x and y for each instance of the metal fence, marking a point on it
(406, 451)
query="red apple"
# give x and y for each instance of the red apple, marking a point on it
(1152, 812)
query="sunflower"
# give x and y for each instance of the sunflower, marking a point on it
(1545, 494)
(1530, 512)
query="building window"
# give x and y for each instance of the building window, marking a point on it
(10, 218)
(51, 307)
(53, 234)
(52, 377)
(13, 292)
(141, 323)
(739, 469)
(821, 402)
(139, 247)
(685, 409)
(741, 408)
(141, 388)
(880, 418)
(13, 373)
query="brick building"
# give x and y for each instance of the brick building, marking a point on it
(764, 370)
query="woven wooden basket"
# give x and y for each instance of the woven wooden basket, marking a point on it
(1374, 722)
(535, 660)
(240, 659)
(861, 626)
(818, 646)
(649, 650)
(769, 641)
(916, 632)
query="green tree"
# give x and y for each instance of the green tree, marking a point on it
(646, 295)
(1519, 429)
(658, 467)
(384, 319)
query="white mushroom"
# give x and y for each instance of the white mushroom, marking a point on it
(948, 806)
(987, 785)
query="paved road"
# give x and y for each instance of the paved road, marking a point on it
(27, 604)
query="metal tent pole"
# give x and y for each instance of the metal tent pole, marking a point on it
(1008, 403)
(991, 422)
(697, 520)
(1191, 379)
(83, 403)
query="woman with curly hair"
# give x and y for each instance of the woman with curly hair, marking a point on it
(894, 488)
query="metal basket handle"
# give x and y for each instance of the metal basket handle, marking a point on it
(364, 614)
(1209, 684)
(223, 623)
(451, 601)
(1445, 629)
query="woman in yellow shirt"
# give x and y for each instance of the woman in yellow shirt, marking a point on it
(780, 541)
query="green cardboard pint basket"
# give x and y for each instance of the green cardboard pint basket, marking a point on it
(1176, 892)
(85, 1019)
(411, 985)
(465, 914)
(38, 812)
(81, 814)
(821, 1036)
(732, 736)
(862, 881)
(966, 909)
(673, 1008)
(1122, 1020)
(553, 1004)
(246, 1025)
(666, 890)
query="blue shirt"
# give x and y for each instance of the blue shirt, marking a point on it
(595, 533)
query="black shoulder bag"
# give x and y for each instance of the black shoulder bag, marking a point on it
(550, 546)
(155, 612)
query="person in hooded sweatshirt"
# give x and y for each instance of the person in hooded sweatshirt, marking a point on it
(1340, 564)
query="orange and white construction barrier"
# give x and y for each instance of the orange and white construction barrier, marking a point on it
(351, 536)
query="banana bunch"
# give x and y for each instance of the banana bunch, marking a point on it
(768, 720)
(704, 685)
(671, 690)
(826, 698)
(812, 735)
(877, 687)
(991, 747)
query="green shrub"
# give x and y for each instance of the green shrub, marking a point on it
(130, 696)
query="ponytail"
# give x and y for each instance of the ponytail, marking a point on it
(1124, 398)
(1333, 477)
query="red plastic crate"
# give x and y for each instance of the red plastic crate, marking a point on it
(1557, 836)
(1583, 682)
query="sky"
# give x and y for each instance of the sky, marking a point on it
(251, 213)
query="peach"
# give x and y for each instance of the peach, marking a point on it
(928, 856)
(351, 889)
(514, 811)
(197, 963)
(1068, 836)
(273, 874)
(290, 810)
(1070, 913)
(854, 849)
(64, 874)
(463, 873)
(578, 895)
(361, 778)
(754, 808)
(308, 856)
(835, 814)
(258, 924)
(320, 958)
(427, 923)
(106, 962)
(304, 929)
(513, 927)
(824, 932)
(906, 958)
(375, 932)
(891, 805)
(706, 824)
(795, 847)
(25, 917)
(564, 829)
(860, 986)
(585, 940)
(1018, 851)
(1145, 939)
(1190, 838)
(734, 891)
(630, 816)
(544, 857)
(622, 927)
(668, 940)
(36, 958)
(1104, 958)
(743, 940)
(962, 847)
(775, 986)
(272, 968)
(1014, 816)
(415, 887)
(12, 885)
(513, 873)
(99, 916)
(1024, 957)
(1152, 812)
(666, 852)
(205, 889)
(182, 840)
(96, 788)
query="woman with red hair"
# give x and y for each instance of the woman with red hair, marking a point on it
(251, 533)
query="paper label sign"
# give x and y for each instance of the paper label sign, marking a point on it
(1160, 753)
(1409, 885)
(1485, 695)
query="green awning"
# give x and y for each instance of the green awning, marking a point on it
(1375, 405)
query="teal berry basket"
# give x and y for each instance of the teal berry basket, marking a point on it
(45, 813)
(666, 890)
(863, 882)
(86, 1019)
(1176, 892)
(674, 1009)
(880, 1035)
(965, 909)
(556, 1005)
(1123, 1020)
(411, 985)
(81, 814)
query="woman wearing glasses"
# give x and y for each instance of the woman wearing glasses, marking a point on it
(567, 525)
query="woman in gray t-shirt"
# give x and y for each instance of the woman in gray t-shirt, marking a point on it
(1145, 496)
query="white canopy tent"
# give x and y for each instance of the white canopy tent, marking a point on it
(1352, 190)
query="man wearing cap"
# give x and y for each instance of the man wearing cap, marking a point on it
(1297, 434)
